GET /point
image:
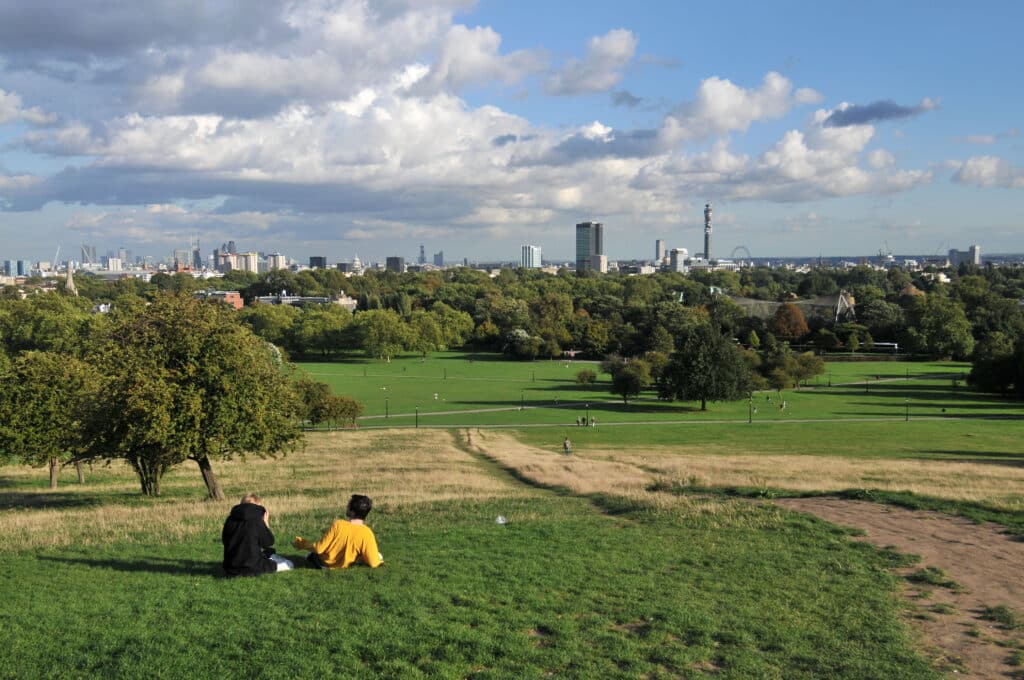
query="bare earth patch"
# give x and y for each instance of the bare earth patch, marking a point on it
(981, 558)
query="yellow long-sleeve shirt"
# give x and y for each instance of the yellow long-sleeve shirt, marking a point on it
(343, 544)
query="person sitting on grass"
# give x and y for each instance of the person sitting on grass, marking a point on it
(345, 542)
(248, 541)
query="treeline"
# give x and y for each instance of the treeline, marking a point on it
(962, 313)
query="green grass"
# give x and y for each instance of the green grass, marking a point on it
(486, 389)
(565, 588)
(1004, 616)
(934, 576)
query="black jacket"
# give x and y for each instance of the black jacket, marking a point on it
(247, 542)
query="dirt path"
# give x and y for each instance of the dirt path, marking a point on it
(988, 564)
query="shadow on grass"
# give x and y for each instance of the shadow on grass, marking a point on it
(596, 406)
(153, 565)
(45, 499)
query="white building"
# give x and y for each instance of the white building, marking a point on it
(530, 257)
(276, 261)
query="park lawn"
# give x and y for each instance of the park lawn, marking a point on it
(485, 389)
(571, 586)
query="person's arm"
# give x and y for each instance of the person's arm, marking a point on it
(370, 554)
(319, 546)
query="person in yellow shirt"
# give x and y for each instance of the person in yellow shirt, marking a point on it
(346, 541)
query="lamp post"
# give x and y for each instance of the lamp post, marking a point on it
(750, 407)
(417, 415)
(830, 378)
(386, 414)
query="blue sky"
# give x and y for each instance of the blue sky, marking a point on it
(336, 127)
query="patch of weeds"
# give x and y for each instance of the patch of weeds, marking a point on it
(935, 577)
(1016, 658)
(942, 608)
(1003, 615)
(896, 559)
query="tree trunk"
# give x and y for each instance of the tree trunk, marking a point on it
(213, 489)
(80, 469)
(703, 404)
(53, 473)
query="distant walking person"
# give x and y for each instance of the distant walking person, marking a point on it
(567, 446)
(248, 541)
(346, 541)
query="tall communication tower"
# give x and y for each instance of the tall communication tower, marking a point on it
(707, 231)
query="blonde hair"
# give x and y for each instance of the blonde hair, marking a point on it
(251, 498)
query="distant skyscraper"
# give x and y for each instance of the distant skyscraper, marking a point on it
(276, 261)
(197, 258)
(659, 251)
(439, 259)
(9, 269)
(182, 259)
(395, 263)
(22, 268)
(530, 257)
(231, 248)
(677, 259)
(589, 242)
(974, 253)
(707, 231)
(423, 255)
(249, 262)
(317, 262)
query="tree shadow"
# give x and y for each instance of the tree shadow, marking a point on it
(154, 565)
(982, 457)
(45, 499)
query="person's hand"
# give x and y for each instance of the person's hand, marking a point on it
(266, 518)
(297, 543)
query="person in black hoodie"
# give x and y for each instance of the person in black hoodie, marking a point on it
(248, 541)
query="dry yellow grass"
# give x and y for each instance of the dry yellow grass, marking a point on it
(395, 468)
(604, 475)
(628, 473)
(995, 485)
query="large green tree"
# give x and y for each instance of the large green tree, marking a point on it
(42, 408)
(186, 381)
(708, 366)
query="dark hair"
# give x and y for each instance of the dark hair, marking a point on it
(359, 506)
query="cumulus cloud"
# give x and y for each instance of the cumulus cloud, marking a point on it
(990, 171)
(863, 114)
(721, 107)
(11, 109)
(601, 68)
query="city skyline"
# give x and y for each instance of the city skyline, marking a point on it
(337, 127)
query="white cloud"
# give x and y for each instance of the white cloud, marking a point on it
(721, 107)
(11, 109)
(990, 171)
(880, 158)
(470, 56)
(601, 68)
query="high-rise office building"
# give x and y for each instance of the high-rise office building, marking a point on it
(423, 255)
(659, 251)
(9, 268)
(23, 268)
(395, 263)
(589, 242)
(530, 258)
(317, 262)
(439, 259)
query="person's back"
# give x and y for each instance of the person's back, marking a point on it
(346, 541)
(246, 536)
